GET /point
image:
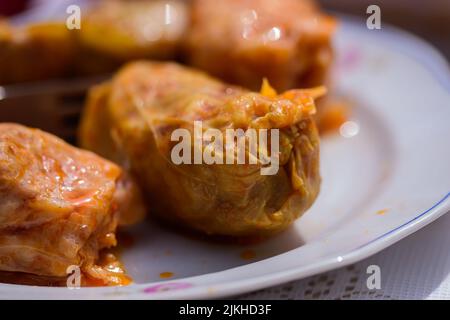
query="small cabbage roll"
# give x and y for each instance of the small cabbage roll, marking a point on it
(111, 33)
(35, 52)
(135, 29)
(242, 41)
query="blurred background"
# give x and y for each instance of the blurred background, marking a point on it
(428, 19)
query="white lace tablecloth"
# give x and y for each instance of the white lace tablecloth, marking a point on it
(417, 267)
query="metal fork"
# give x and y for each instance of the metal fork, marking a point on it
(53, 106)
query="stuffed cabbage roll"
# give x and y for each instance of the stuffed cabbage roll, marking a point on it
(34, 52)
(112, 32)
(135, 29)
(132, 120)
(59, 207)
(242, 41)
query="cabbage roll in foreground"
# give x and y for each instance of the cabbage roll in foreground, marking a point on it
(132, 118)
(242, 41)
(59, 206)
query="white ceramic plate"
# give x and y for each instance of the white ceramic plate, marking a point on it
(398, 162)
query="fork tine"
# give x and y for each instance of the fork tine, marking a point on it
(54, 107)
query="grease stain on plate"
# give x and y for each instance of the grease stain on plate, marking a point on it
(166, 275)
(382, 212)
(248, 254)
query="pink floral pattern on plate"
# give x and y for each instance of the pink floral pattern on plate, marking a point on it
(167, 287)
